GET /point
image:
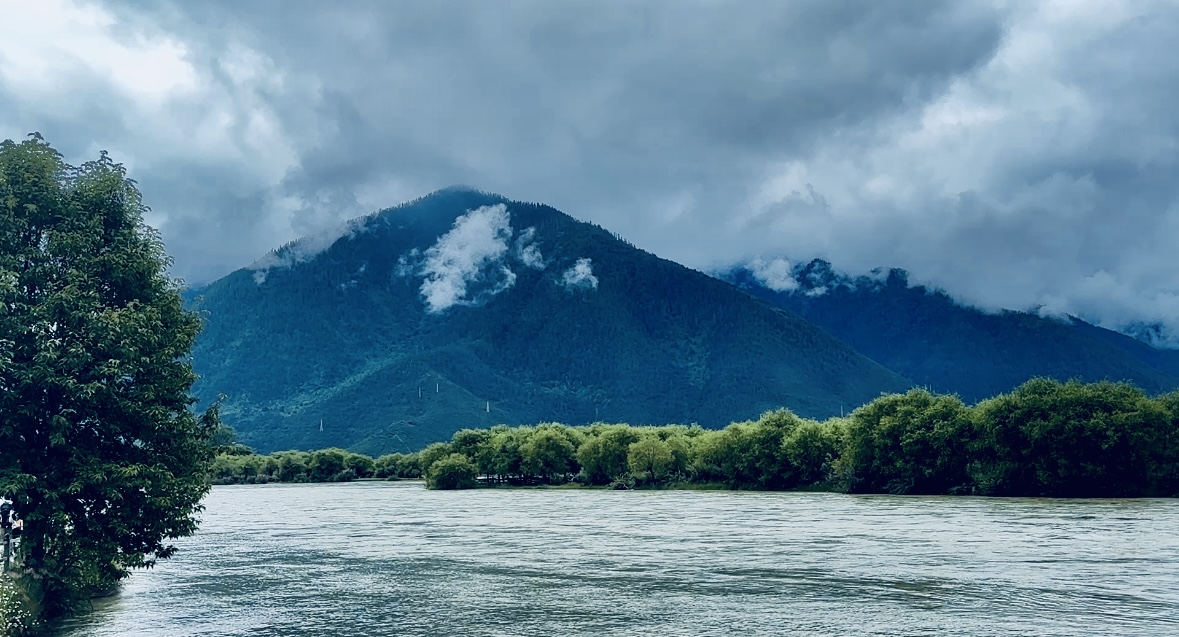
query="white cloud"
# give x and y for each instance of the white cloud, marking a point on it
(47, 39)
(580, 276)
(307, 248)
(1156, 334)
(776, 274)
(470, 254)
(528, 252)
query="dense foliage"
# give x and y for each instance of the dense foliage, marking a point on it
(1046, 438)
(342, 337)
(241, 466)
(928, 337)
(99, 448)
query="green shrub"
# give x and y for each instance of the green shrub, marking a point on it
(455, 471)
(914, 443)
(1048, 438)
(651, 458)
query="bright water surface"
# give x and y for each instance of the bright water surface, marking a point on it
(396, 559)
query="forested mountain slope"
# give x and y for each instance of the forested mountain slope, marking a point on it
(925, 335)
(466, 309)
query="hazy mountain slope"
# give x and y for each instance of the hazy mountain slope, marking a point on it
(341, 331)
(928, 337)
(1164, 360)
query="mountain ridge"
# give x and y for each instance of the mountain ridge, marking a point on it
(928, 336)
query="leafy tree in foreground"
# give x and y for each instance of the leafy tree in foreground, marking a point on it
(98, 446)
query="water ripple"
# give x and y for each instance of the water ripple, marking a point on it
(377, 559)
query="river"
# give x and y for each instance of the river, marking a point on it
(395, 559)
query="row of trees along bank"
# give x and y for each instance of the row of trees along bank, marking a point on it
(1046, 438)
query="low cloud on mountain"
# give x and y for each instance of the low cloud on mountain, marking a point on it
(776, 274)
(528, 252)
(466, 265)
(580, 276)
(306, 248)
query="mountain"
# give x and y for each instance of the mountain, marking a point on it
(466, 309)
(925, 335)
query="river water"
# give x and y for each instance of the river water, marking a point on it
(396, 559)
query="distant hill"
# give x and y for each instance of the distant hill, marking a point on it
(466, 309)
(925, 335)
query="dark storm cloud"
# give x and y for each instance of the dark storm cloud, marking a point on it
(1018, 154)
(604, 109)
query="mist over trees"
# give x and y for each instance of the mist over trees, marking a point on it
(1046, 438)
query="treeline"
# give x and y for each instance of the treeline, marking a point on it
(1046, 438)
(237, 464)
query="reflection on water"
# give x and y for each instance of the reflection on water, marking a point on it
(395, 559)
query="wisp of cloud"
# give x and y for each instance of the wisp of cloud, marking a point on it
(468, 254)
(580, 276)
(775, 274)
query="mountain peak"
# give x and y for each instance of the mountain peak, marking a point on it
(430, 214)
(446, 203)
(507, 312)
(462, 188)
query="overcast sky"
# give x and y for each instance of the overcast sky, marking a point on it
(1018, 153)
